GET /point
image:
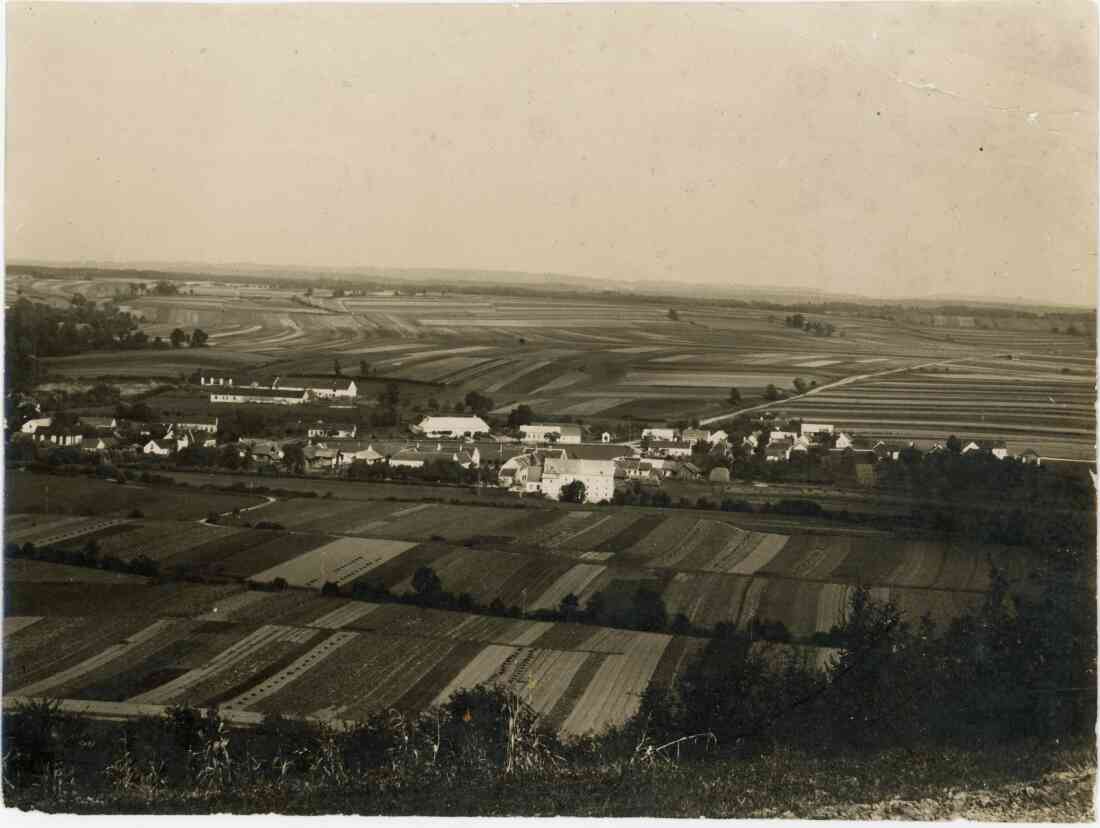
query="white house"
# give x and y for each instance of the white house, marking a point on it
(659, 433)
(334, 388)
(694, 435)
(750, 440)
(209, 425)
(997, 448)
(153, 447)
(718, 436)
(545, 432)
(523, 473)
(598, 477)
(338, 431)
(445, 426)
(31, 426)
(415, 458)
(844, 440)
(670, 448)
(268, 396)
(351, 454)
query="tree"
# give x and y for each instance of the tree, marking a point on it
(570, 607)
(478, 403)
(294, 458)
(426, 583)
(336, 367)
(735, 396)
(521, 415)
(309, 292)
(177, 337)
(954, 445)
(800, 385)
(364, 368)
(198, 338)
(673, 315)
(771, 393)
(649, 611)
(574, 492)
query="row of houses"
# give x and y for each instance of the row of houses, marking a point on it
(227, 387)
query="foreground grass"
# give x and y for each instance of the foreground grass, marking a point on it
(1020, 784)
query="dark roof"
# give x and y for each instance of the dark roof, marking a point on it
(595, 451)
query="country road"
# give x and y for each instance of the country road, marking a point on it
(836, 384)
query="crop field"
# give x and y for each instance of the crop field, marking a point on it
(341, 561)
(56, 496)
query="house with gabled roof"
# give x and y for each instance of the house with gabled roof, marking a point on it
(998, 448)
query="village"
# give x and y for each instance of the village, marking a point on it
(554, 460)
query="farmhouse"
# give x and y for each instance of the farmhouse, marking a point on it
(1030, 456)
(817, 429)
(997, 448)
(195, 422)
(779, 450)
(336, 430)
(159, 449)
(333, 388)
(452, 426)
(350, 453)
(695, 435)
(548, 432)
(58, 436)
(635, 468)
(523, 473)
(598, 477)
(718, 436)
(263, 396)
(318, 458)
(659, 433)
(415, 458)
(31, 426)
(843, 441)
(670, 448)
(780, 436)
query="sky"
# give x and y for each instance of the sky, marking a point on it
(888, 149)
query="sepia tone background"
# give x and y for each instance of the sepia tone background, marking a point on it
(888, 149)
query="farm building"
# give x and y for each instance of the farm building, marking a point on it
(337, 430)
(547, 432)
(816, 429)
(197, 423)
(669, 448)
(415, 458)
(31, 426)
(598, 477)
(263, 396)
(843, 440)
(780, 436)
(523, 473)
(695, 435)
(1030, 456)
(452, 426)
(997, 448)
(318, 458)
(750, 441)
(659, 433)
(58, 436)
(718, 436)
(158, 449)
(719, 474)
(779, 450)
(94, 444)
(635, 468)
(346, 454)
(333, 388)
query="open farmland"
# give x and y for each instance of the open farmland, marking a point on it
(328, 658)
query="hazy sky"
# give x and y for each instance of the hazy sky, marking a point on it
(888, 149)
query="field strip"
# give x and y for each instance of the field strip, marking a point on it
(572, 581)
(530, 634)
(342, 560)
(234, 603)
(597, 556)
(410, 510)
(343, 616)
(480, 670)
(15, 623)
(614, 693)
(751, 605)
(294, 671)
(222, 661)
(761, 556)
(39, 528)
(832, 606)
(588, 528)
(98, 660)
(549, 677)
(253, 329)
(515, 375)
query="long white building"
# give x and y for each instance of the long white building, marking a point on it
(452, 426)
(541, 432)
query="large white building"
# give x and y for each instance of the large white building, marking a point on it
(541, 432)
(270, 396)
(336, 388)
(452, 426)
(598, 477)
(659, 433)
